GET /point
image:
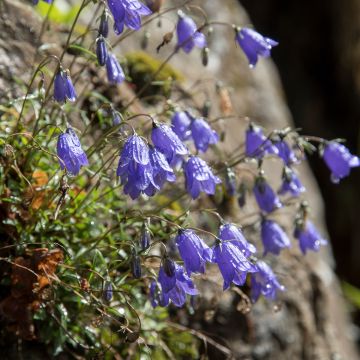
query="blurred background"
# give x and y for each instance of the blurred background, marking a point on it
(319, 64)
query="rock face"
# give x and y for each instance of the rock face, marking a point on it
(311, 323)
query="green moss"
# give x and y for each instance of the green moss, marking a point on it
(142, 67)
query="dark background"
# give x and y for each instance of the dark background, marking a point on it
(318, 61)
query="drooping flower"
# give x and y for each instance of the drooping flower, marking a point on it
(157, 296)
(231, 233)
(254, 44)
(181, 125)
(176, 285)
(308, 236)
(264, 282)
(115, 73)
(194, 252)
(104, 25)
(145, 237)
(273, 237)
(286, 153)
(339, 160)
(256, 143)
(63, 87)
(101, 51)
(161, 169)
(265, 196)
(232, 263)
(199, 177)
(291, 183)
(187, 34)
(127, 12)
(202, 134)
(135, 169)
(167, 142)
(69, 150)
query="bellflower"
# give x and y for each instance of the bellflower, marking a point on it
(264, 282)
(181, 125)
(187, 34)
(115, 73)
(157, 296)
(63, 87)
(254, 44)
(104, 25)
(69, 150)
(194, 252)
(291, 183)
(199, 177)
(135, 169)
(127, 12)
(265, 196)
(101, 51)
(231, 233)
(167, 142)
(273, 237)
(256, 143)
(202, 134)
(232, 263)
(175, 286)
(308, 236)
(286, 153)
(339, 160)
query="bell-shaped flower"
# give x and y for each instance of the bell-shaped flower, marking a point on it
(157, 296)
(194, 252)
(256, 143)
(180, 123)
(291, 183)
(339, 160)
(273, 237)
(63, 87)
(286, 153)
(232, 233)
(188, 35)
(167, 142)
(101, 51)
(264, 282)
(254, 44)
(202, 134)
(176, 285)
(127, 12)
(199, 177)
(71, 155)
(114, 71)
(308, 236)
(232, 263)
(265, 196)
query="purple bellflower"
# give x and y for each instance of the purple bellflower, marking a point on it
(157, 296)
(127, 12)
(188, 36)
(176, 285)
(264, 282)
(273, 237)
(231, 233)
(115, 73)
(101, 51)
(256, 143)
(232, 263)
(202, 134)
(291, 183)
(167, 142)
(63, 87)
(135, 169)
(286, 153)
(199, 177)
(69, 150)
(339, 160)
(181, 125)
(266, 198)
(254, 44)
(308, 236)
(194, 252)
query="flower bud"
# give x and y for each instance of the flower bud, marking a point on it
(108, 291)
(145, 40)
(145, 237)
(205, 56)
(101, 51)
(136, 266)
(104, 25)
